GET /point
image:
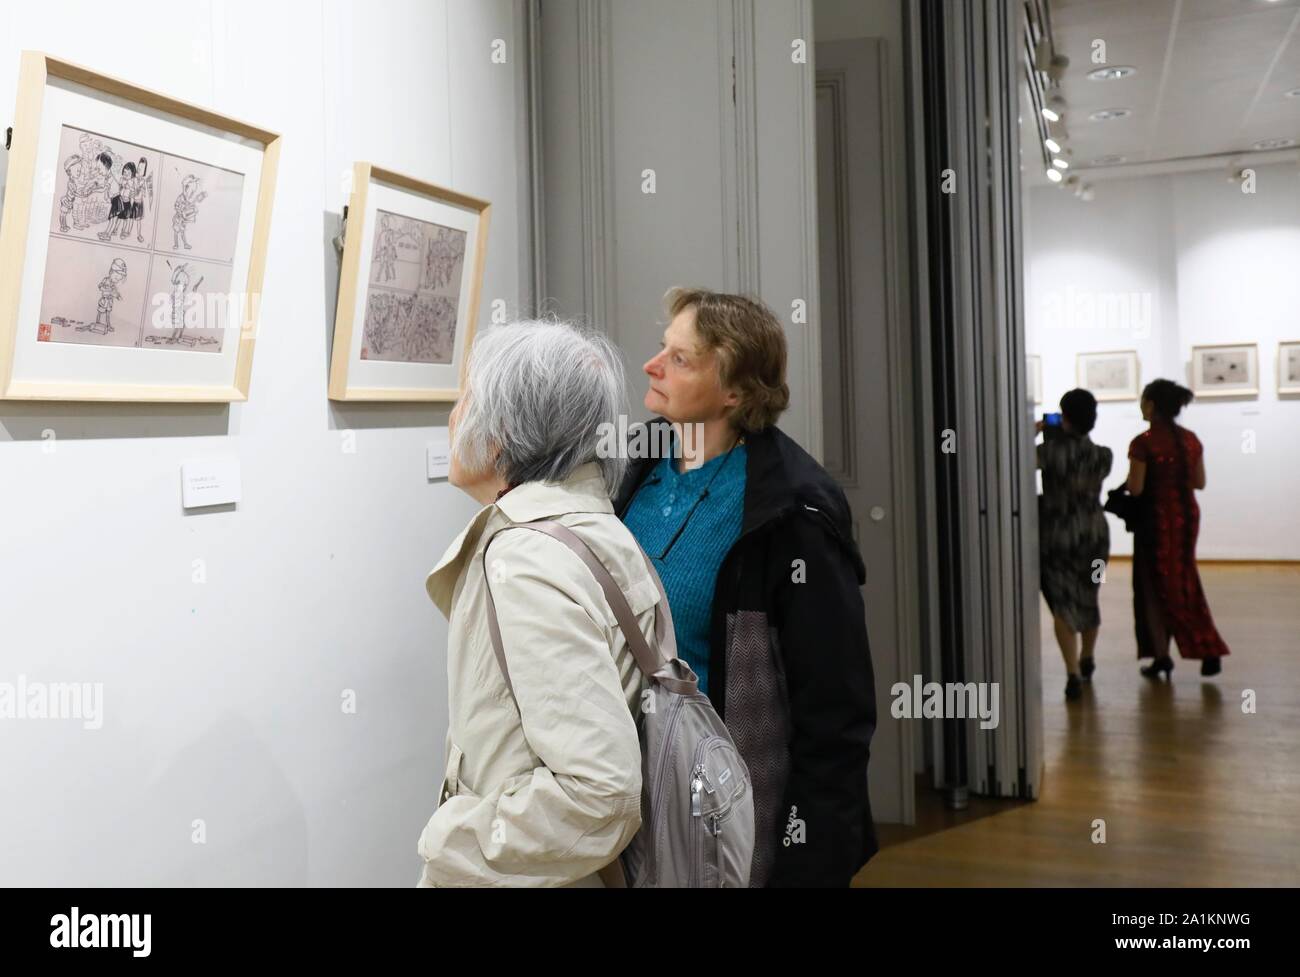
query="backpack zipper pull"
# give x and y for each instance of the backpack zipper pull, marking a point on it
(696, 803)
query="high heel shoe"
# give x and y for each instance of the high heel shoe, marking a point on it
(1086, 667)
(1153, 670)
(1210, 665)
(1073, 688)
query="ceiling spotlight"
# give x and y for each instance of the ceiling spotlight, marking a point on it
(1112, 72)
(1054, 176)
(1060, 164)
(1052, 144)
(1273, 144)
(1106, 115)
(1051, 115)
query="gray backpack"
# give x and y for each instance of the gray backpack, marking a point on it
(697, 807)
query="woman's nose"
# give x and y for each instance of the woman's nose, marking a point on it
(652, 366)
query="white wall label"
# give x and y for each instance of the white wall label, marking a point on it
(439, 450)
(210, 481)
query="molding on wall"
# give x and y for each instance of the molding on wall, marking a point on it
(808, 240)
(532, 243)
(831, 84)
(745, 153)
(597, 181)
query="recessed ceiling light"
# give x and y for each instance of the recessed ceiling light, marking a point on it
(1049, 115)
(1052, 144)
(1273, 144)
(1106, 115)
(1060, 164)
(1109, 160)
(1054, 176)
(1112, 72)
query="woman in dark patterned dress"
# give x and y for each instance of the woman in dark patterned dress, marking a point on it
(1073, 538)
(1166, 466)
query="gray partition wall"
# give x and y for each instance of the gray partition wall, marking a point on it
(980, 516)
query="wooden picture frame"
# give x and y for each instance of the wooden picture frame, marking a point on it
(1288, 367)
(172, 323)
(409, 287)
(1110, 375)
(1225, 370)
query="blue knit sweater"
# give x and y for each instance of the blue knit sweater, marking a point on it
(690, 569)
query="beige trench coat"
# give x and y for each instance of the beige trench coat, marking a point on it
(548, 791)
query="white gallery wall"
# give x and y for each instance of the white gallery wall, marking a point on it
(1159, 264)
(227, 641)
(662, 166)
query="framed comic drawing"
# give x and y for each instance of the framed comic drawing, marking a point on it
(1288, 368)
(1111, 375)
(413, 256)
(1225, 370)
(133, 243)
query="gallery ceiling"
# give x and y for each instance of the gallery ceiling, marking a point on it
(1211, 77)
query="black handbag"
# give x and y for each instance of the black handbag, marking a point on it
(1127, 507)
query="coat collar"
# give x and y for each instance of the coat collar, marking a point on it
(583, 491)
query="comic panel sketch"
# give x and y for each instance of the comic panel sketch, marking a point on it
(104, 189)
(1109, 375)
(1229, 368)
(409, 327)
(416, 270)
(396, 258)
(444, 259)
(94, 294)
(189, 305)
(199, 209)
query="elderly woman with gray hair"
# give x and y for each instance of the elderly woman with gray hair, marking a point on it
(542, 786)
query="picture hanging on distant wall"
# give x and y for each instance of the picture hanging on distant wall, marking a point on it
(1230, 370)
(1288, 368)
(133, 243)
(1110, 376)
(413, 259)
(1034, 378)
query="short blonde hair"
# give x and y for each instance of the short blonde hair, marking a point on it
(751, 350)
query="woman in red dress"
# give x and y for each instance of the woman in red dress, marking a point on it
(1166, 465)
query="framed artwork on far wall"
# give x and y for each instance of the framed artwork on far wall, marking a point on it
(1111, 375)
(1230, 370)
(1034, 377)
(413, 256)
(133, 244)
(1288, 367)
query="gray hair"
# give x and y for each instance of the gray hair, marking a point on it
(543, 393)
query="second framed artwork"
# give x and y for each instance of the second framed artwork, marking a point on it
(413, 258)
(1229, 370)
(1288, 368)
(1110, 376)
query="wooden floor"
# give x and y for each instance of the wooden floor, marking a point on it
(1193, 791)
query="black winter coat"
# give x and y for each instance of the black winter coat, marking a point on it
(789, 665)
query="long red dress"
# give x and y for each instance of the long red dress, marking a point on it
(1167, 597)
